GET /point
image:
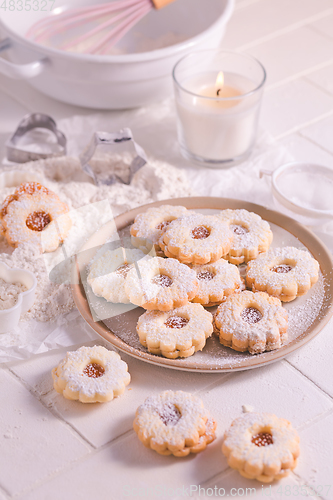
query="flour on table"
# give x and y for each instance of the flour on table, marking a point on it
(89, 210)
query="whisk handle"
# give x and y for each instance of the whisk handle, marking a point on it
(158, 4)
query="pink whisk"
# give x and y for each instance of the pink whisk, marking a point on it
(114, 20)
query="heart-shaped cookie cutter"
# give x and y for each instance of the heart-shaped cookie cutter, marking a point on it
(29, 122)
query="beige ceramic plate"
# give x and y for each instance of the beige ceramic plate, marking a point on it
(307, 315)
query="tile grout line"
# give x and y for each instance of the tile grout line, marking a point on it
(314, 420)
(282, 31)
(220, 381)
(4, 492)
(74, 464)
(306, 484)
(310, 380)
(314, 143)
(316, 30)
(51, 410)
(303, 74)
(316, 85)
(298, 128)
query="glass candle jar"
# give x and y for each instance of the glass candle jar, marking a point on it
(218, 95)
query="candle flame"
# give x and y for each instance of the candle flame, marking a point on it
(220, 80)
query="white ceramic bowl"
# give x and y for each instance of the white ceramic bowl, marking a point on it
(9, 318)
(113, 81)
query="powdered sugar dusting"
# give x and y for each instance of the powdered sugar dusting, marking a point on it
(64, 176)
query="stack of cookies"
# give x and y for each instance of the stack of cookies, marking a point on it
(196, 268)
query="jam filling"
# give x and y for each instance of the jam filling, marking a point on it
(37, 221)
(282, 268)
(162, 280)
(200, 233)
(237, 229)
(123, 270)
(94, 370)
(170, 415)
(162, 225)
(31, 188)
(251, 315)
(205, 276)
(176, 322)
(262, 439)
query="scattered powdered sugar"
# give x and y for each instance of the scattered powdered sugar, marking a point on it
(64, 176)
(9, 293)
(302, 314)
(51, 299)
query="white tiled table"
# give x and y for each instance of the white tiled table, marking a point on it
(51, 448)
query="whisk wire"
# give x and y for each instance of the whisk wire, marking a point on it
(106, 24)
(113, 38)
(114, 19)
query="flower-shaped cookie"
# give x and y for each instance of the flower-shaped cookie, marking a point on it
(90, 375)
(34, 214)
(252, 235)
(197, 239)
(161, 284)
(216, 281)
(148, 226)
(285, 273)
(174, 423)
(253, 322)
(261, 446)
(108, 273)
(177, 333)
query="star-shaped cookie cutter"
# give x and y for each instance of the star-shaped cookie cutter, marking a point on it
(106, 138)
(29, 122)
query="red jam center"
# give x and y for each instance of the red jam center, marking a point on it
(262, 439)
(162, 225)
(94, 370)
(200, 233)
(170, 414)
(123, 270)
(162, 280)
(237, 229)
(251, 315)
(283, 268)
(37, 221)
(176, 322)
(205, 276)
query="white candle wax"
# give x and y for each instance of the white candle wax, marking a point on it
(217, 129)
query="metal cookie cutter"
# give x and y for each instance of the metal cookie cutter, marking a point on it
(105, 138)
(30, 122)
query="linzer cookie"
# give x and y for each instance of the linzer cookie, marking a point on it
(174, 423)
(216, 281)
(149, 225)
(285, 273)
(253, 322)
(36, 215)
(177, 333)
(90, 375)
(261, 446)
(197, 239)
(252, 235)
(161, 284)
(108, 273)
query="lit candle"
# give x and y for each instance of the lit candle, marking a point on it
(222, 91)
(217, 113)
